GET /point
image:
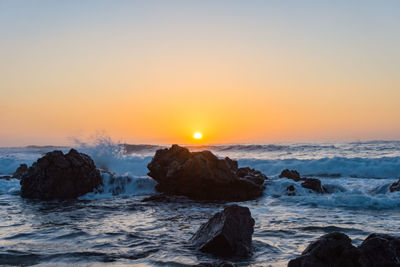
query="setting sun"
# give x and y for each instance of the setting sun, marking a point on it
(197, 135)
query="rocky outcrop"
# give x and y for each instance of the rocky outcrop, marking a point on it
(330, 250)
(60, 176)
(380, 250)
(203, 176)
(309, 183)
(336, 250)
(395, 186)
(20, 171)
(227, 233)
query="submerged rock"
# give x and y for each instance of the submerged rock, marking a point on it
(60, 176)
(395, 186)
(227, 233)
(203, 176)
(309, 183)
(380, 250)
(330, 250)
(20, 171)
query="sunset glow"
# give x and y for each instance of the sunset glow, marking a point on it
(259, 72)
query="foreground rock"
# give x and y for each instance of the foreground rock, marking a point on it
(20, 171)
(309, 183)
(395, 186)
(203, 176)
(380, 250)
(60, 176)
(336, 250)
(227, 233)
(330, 250)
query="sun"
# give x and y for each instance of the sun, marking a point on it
(197, 135)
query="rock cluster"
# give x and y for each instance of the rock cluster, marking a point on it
(227, 233)
(203, 176)
(60, 176)
(309, 183)
(335, 250)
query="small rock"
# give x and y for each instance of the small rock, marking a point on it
(227, 233)
(290, 174)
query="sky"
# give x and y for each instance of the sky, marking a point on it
(236, 71)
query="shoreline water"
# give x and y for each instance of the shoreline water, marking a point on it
(118, 229)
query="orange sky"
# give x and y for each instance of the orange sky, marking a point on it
(255, 71)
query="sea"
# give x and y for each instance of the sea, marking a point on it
(115, 228)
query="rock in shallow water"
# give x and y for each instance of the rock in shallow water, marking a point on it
(336, 250)
(60, 176)
(203, 176)
(380, 250)
(227, 233)
(330, 250)
(309, 183)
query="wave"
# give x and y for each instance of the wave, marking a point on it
(384, 168)
(352, 193)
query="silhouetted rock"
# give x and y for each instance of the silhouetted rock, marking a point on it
(59, 176)
(20, 171)
(290, 174)
(330, 250)
(313, 184)
(203, 176)
(309, 183)
(395, 186)
(227, 233)
(380, 250)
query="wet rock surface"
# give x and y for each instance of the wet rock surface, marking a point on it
(203, 176)
(227, 233)
(60, 176)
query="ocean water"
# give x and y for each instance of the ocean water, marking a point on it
(116, 228)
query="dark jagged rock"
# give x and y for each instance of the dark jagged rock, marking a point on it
(20, 171)
(203, 176)
(313, 184)
(60, 176)
(395, 186)
(379, 250)
(290, 174)
(227, 233)
(330, 250)
(309, 183)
